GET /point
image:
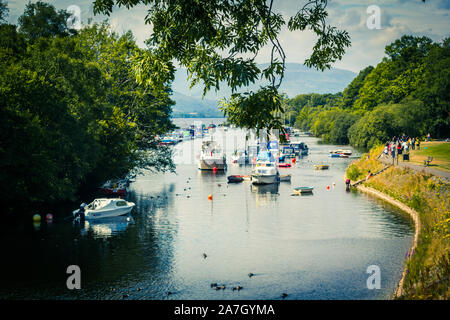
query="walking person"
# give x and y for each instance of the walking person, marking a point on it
(393, 153)
(418, 143)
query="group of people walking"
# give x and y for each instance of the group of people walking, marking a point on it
(401, 146)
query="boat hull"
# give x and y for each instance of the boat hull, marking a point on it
(219, 164)
(99, 214)
(304, 190)
(285, 178)
(264, 179)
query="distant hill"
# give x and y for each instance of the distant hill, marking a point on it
(194, 107)
(297, 79)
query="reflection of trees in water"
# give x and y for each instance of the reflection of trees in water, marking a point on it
(139, 252)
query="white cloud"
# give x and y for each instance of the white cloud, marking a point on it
(397, 18)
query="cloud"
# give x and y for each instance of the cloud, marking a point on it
(398, 17)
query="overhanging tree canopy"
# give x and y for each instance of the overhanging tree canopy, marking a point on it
(218, 40)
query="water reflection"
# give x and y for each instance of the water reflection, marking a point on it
(106, 227)
(265, 194)
(312, 247)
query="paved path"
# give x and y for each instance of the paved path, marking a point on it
(416, 167)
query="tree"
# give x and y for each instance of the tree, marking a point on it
(3, 11)
(73, 115)
(387, 121)
(41, 20)
(351, 92)
(197, 32)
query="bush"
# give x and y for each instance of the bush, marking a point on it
(353, 172)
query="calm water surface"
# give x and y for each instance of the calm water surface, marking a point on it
(311, 247)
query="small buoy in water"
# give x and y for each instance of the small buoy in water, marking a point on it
(210, 197)
(328, 187)
(49, 217)
(36, 218)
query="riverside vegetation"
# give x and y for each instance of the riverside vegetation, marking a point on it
(73, 115)
(83, 106)
(407, 92)
(428, 272)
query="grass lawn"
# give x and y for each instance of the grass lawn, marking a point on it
(440, 151)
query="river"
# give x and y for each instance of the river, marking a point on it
(310, 247)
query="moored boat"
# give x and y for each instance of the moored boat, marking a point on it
(212, 157)
(240, 157)
(321, 166)
(266, 171)
(105, 208)
(303, 189)
(285, 177)
(284, 165)
(235, 179)
(341, 151)
(115, 187)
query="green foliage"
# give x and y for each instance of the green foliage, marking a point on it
(42, 20)
(353, 172)
(3, 11)
(351, 93)
(72, 113)
(218, 41)
(408, 92)
(427, 266)
(386, 121)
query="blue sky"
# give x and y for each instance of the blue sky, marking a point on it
(398, 17)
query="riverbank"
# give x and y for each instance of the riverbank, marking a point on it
(425, 198)
(412, 213)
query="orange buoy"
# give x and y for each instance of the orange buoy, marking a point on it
(210, 197)
(328, 187)
(294, 160)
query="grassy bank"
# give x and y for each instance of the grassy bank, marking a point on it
(428, 272)
(439, 150)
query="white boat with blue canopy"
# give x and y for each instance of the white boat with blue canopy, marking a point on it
(265, 171)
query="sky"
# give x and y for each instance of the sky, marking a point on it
(397, 17)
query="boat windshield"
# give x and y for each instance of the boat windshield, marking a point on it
(265, 156)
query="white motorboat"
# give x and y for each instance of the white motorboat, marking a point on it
(265, 171)
(341, 151)
(212, 157)
(105, 208)
(240, 156)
